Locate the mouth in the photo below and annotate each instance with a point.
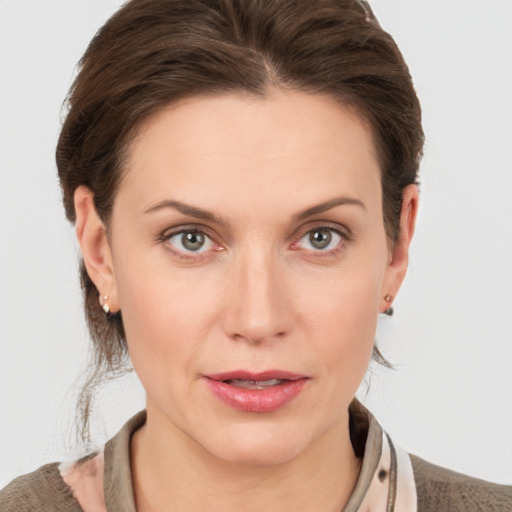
(256, 392)
(254, 384)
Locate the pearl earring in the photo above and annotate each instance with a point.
(388, 298)
(104, 304)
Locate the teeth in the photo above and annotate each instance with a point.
(254, 384)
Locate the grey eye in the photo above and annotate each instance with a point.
(190, 241)
(321, 239)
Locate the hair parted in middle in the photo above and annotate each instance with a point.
(153, 53)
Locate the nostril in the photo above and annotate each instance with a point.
(257, 339)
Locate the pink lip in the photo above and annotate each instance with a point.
(256, 400)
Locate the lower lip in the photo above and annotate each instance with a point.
(257, 400)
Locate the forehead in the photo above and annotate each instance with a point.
(285, 146)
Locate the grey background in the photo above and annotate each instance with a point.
(450, 397)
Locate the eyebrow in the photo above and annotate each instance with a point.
(187, 209)
(200, 213)
(328, 205)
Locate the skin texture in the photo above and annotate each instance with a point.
(258, 295)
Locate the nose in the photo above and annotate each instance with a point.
(258, 303)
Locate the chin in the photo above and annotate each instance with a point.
(257, 445)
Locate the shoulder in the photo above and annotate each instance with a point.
(42, 489)
(442, 489)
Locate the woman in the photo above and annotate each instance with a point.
(243, 181)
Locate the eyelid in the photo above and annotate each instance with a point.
(184, 228)
(342, 231)
(334, 226)
(189, 228)
(338, 228)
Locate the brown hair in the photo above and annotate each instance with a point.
(155, 52)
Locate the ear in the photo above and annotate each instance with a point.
(92, 237)
(399, 253)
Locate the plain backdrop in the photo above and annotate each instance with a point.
(449, 399)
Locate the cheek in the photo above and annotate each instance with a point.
(342, 319)
(344, 304)
(166, 316)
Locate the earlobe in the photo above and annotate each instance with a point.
(399, 257)
(92, 237)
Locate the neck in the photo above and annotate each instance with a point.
(171, 472)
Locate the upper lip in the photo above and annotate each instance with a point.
(256, 376)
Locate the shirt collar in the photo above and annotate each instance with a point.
(385, 482)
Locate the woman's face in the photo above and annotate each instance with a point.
(250, 262)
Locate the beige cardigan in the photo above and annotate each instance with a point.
(383, 484)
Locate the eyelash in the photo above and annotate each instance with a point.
(182, 255)
(345, 238)
(164, 238)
